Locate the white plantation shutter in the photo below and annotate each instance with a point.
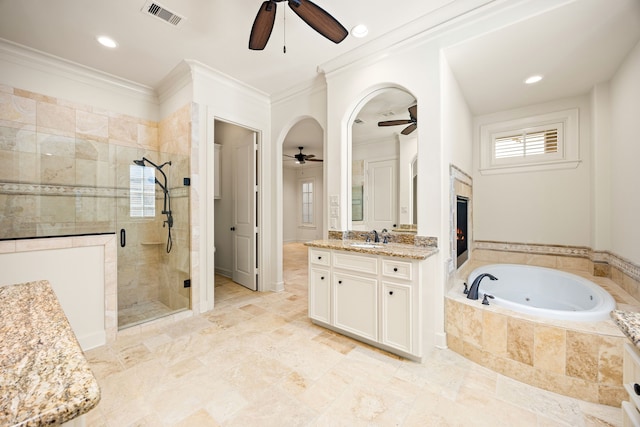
(526, 144)
(142, 191)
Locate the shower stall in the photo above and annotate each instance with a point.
(152, 224)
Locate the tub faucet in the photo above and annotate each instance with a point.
(473, 290)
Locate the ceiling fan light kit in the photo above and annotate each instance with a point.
(302, 158)
(316, 17)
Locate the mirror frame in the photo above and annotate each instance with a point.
(364, 99)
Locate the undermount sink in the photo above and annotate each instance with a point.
(365, 245)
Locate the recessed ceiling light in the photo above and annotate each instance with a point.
(107, 42)
(533, 79)
(359, 31)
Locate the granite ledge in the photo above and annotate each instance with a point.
(386, 249)
(44, 376)
(629, 324)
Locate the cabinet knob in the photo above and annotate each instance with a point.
(321, 277)
(390, 292)
(395, 269)
(339, 282)
(319, 257)
(636, 388)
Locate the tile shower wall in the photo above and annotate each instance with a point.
(64, 170)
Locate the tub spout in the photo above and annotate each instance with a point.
(473, 290)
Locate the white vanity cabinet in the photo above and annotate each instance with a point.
(631, 382)
(370, 297)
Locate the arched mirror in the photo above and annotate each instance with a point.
(384, 150)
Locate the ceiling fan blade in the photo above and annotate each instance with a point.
(314, 160)
(394, 122)
(319, 19)
(413, 112)
(409, 129)
(286, 155)
(309, 156)
(262, 26)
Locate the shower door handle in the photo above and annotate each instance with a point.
(123, 238)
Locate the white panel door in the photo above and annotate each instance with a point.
(244, 213)
(382, 193)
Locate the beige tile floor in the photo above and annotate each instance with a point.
(256, 360)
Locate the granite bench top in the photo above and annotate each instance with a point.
(629, 323)
(386, 249)
(44, 376)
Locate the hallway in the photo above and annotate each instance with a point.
(257, 360)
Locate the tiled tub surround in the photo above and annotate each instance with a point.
(64, 170)
(44, 376)
(577, 359)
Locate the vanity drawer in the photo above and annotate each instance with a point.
(397, 269)
(319, 257)
(359, 263)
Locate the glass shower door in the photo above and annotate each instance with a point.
(153, 228)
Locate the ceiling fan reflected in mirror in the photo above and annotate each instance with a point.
(412, 121)
(303, 158)
(316, 17)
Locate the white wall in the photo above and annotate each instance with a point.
(77, 276)
(625, 155)
(457, 122)
(291, 203)
(546, 207)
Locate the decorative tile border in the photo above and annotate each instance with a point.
(625, 266)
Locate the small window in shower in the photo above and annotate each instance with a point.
(142, 191)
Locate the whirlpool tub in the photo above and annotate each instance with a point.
(544, 292)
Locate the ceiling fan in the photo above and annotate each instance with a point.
(412, 121)
(316, 17)
(303, 158)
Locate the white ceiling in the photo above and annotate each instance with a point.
(574, 46)
(578, 44)
(215, 33)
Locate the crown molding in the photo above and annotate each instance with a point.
(37, 60)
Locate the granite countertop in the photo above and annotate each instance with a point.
(629, 323)
(387, 249)
(44, 376)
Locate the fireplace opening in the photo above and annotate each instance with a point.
(462, 228)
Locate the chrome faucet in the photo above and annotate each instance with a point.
(376, 238)
(473, 290)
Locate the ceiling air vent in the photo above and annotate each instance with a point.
(159, 11)
(359, 121)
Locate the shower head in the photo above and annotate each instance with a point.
(139, 162)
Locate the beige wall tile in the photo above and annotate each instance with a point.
(548, 261)
(610, 360)
(550, 349)
(53, 118)
(92, 126)
(453, 318)
(494, 333)
(123, 131)
(472, 325)
(582, 355)
(611, 395)
(574, 263)
(17, 109)
(520, 340)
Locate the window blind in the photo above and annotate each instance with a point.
(142, 191)
(526, 144)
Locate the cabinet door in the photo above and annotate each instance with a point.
(397, 312)
(319, 294)
(355, 306)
